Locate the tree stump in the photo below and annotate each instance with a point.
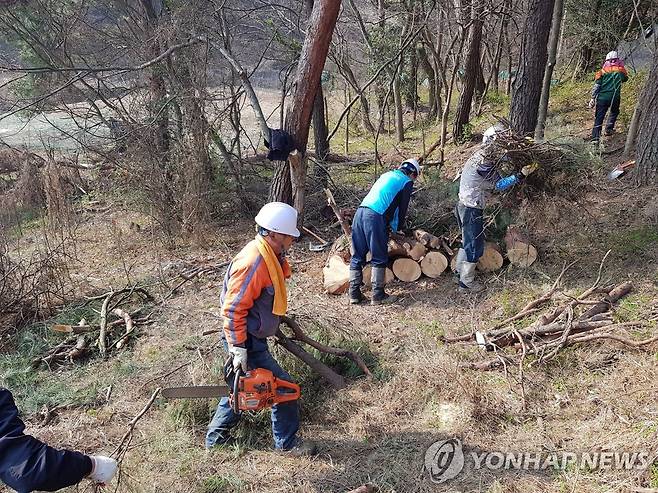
(336, 275)
(433, 264)
(520, 251)
(492, 259)
(406, 269)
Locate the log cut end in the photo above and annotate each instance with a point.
(367, 276)
(433, 264)
(492, 259)
(336, 275)
(406, 269)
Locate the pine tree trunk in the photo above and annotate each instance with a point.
(397, 101)
(298, 117)
(472, 69)
(532, 64)
(548, 73)
(320, 134)
(646, 172)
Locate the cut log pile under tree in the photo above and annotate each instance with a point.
(539, 332)
(421, 253)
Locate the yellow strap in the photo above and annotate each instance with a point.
(276, 275)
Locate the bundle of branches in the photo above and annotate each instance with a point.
(556, 162)
(579, 320)
(103, 335)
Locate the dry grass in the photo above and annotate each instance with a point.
(596, 397)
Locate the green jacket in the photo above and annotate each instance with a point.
(608, 80)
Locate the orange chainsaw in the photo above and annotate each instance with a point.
(257, 389)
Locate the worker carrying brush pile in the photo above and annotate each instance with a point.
(480, 176)
(383, 209)
(606, 94)
(28, 464)
(254, 297)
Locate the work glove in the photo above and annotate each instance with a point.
(239, 355)
(591, 103)
(103, 469)
(529, 169)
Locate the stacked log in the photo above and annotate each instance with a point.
(424, 254)
(520, 251)
(492, 258)
(336, 275)
(411, 257)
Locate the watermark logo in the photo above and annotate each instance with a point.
(444, 460)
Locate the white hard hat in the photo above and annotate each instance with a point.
(278, 217)
(613, 55)
(489, 134)
(412, 165)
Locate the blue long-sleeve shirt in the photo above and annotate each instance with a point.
(27, 464)
(390, 196)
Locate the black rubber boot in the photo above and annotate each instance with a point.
(379, 296)
(356, 281)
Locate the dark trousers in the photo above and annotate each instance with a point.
(602, 106)
(471, 222)
(285, 416)
(369, 235)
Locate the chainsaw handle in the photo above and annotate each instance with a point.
(235, 405)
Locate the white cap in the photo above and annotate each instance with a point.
(278, 217)
(613, 55)
(414, 164)
(489, 134)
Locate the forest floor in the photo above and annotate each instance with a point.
(595, 397)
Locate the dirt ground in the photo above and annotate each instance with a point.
(593, 398)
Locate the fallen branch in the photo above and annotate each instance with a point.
(129, 327)
(332, 203)
(124, 445)
(300, 336)
(333, 378)
(102, 346)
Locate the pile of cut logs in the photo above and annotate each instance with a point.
(424, 254)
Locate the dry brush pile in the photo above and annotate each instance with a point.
(562, 321)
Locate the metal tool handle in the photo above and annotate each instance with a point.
(236, 387)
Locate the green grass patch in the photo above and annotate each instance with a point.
(632, 307)
(221, 484)
(35, 386)
(633, 241)
(653, 475)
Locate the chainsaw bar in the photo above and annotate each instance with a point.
(196, 392)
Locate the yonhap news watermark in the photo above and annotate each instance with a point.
(445, 460)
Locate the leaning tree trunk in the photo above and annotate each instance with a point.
(298, 117)
(320, 134)
(548, 73)
(646, 172)
(532, 64)
(472, 70)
